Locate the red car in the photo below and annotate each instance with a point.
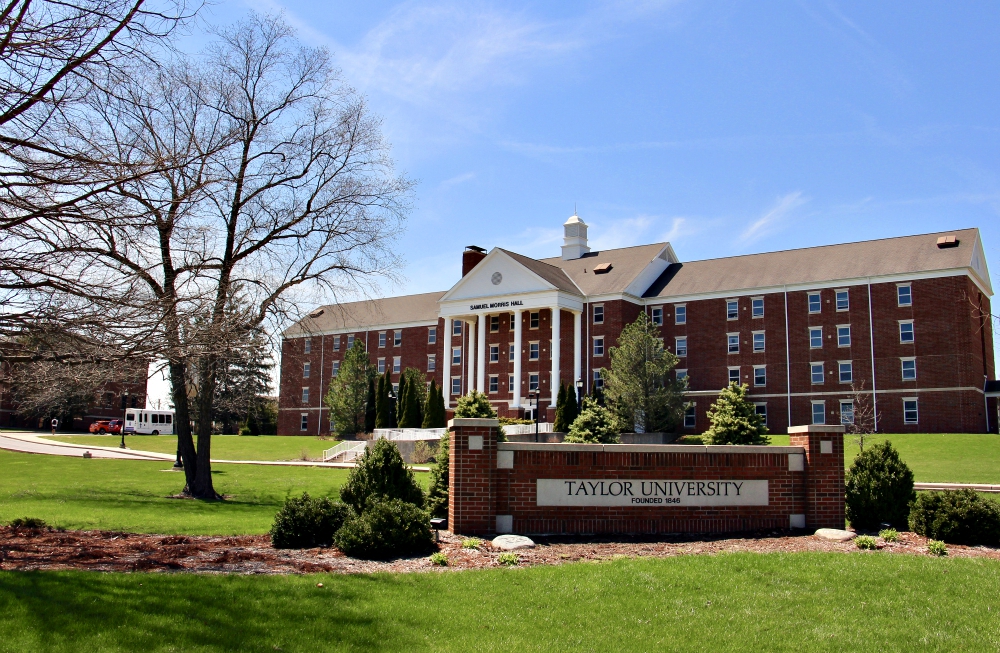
(106, 426)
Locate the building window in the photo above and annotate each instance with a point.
(598, 380)
(906, 331)
(494, 324)
(456, 385)
(758, 341)
(336, 368)
(381, 339)
(904, 295)
(681, 345)
(336, 343)
(307, 346)
(846, 412)
(431, 362)
(757, 307)
(815, 337)
(397, 337)
(909, 369)
(494, 384)
(395, 364)
(690, 416)
(510, 383)
(532, 383)
(350, 341)
(395, 390)
(680, 314)
(598, 314)
(304, 422)
(843, 335)
(432, 335)
(846, 371)
(734, 375)
(732, 309)
(305, 395)
(533, 351)
(910, 410)
(734, 342)
(759, 375)
(305, 370)
(761, 409)
(843, 301)
(456, 328)
(815, 303)
(510, 356)
(494, 353)
(816, 373)
(599, 346)
(681, 374)
(380, 366)
(658, 315)
(456, 355)
(533, 320)
(819, 412)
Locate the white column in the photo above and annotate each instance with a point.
(470, 327)
(554, 381)
(448, 340)
(577, 348)
(481, 354)
(517, 357)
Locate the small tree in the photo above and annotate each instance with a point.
(571, 409)
(638, 383)
(561, 425)
(370, 405)
(475, 405)
(595, 424)
(380, 474)
(413, 395)
(348, 392)
(879, 488)
(433, 408)
(734, 419)
(401, 399)
(865, 418)
(437, 494)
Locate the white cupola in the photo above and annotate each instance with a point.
(574, 238)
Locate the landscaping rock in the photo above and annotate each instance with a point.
(835, 534)
(513, 542)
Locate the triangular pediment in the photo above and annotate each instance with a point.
(497, 275)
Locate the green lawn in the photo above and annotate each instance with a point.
(735, 602)
(133, 496)
(224, 447)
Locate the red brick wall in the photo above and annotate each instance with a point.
(824, 490)
(471, 479)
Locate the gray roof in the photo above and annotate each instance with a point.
(626, 264)
(370, 313)
(870, 258)
(546, 271)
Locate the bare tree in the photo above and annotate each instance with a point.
(864, 420)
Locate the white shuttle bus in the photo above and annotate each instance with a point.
(149, 422)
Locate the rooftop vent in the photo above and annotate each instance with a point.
(602, 268)
(947, 241)
(316, 313)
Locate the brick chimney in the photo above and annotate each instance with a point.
(471, 258)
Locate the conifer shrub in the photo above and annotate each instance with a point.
(595, 424)
(437, 494)
(380, 474)
(734, 419)
(957, 517)
(304, 522)
(475, 405)
(879, 488)
(388, 528)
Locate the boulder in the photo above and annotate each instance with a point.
(835, 534)
(513, 542)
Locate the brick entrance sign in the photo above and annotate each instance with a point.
(504, 487)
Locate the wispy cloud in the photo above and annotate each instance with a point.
(772, 220)
(456, 180)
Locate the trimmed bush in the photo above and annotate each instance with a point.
(380, 474)
(879, 488)
(595, 424)
(387, 529)
(304, 522)
(475, 405)
(959, 517)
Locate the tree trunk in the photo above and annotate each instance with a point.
(182, 422)
(203, 487)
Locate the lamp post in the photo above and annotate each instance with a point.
(534, 395)
(124, 408)
(579, 395)
(178, 463)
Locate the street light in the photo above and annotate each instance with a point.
(579, 395)
(534, 395)
(124, 408)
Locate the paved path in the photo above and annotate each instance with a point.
(978, 487)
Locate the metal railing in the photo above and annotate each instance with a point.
(408, 434)
(527, 429)
(346, 451)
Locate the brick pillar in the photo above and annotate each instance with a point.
(472, 466)
(824, 469)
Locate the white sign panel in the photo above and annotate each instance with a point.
(626, 492)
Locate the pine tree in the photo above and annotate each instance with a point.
(417, 380)
(401, 400)
(349, 389)
(380, 419)
(571, 410)
(734, 419)
(430, 407)
(370, 406)
(560, 425)
(411, 408)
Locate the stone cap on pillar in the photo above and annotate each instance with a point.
(472, 422)
(816, 428)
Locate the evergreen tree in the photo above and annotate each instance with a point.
(349, 390)
(416, 380)
(381, 420)
(595, 424)
(561, 425)
(430, 407)
(370, 406)
(391, 400)
(572, 409)
(476, 405)
(437, 493)
(734, 419)
(411, 409)
(401, 399)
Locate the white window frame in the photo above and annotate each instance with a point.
(536, 317)
(380, 365)
(395, 390)
(909, 293)
(454, 351)
(456, 385)
(494, 384)
(913, 333)
(753, 307)
(598, 378)
(916, 411)
(762, 368)
(679, 349)
(537, 351)
(336, 368)
(729, 373)
(534, 382)
(680, 373)
(456, 328)
(902, 368)
(494, 353)
(432, 335)
(432, 362)
(818, 330)
(598, 308)
(841, 404)
(822, 373)
(397, 338)
(397, 364)
(844, 326)
(757, 405)
(680, 310)
(598, 346)
(382, 340)
(336, 343)
(305, 395)
(510, 353)
(763, 341)
(306, 370)
(350, 340)
(840, 371)
(819, 296)
(303, 421)
(729, 343)
(657, 321)
(495, 320)
(836, 299)
(732, 301)
(307, 346)
(812, 404)
(510, 383)
(691, 410)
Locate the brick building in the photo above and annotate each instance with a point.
(900, 322)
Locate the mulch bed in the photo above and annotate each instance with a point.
(30, 549)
